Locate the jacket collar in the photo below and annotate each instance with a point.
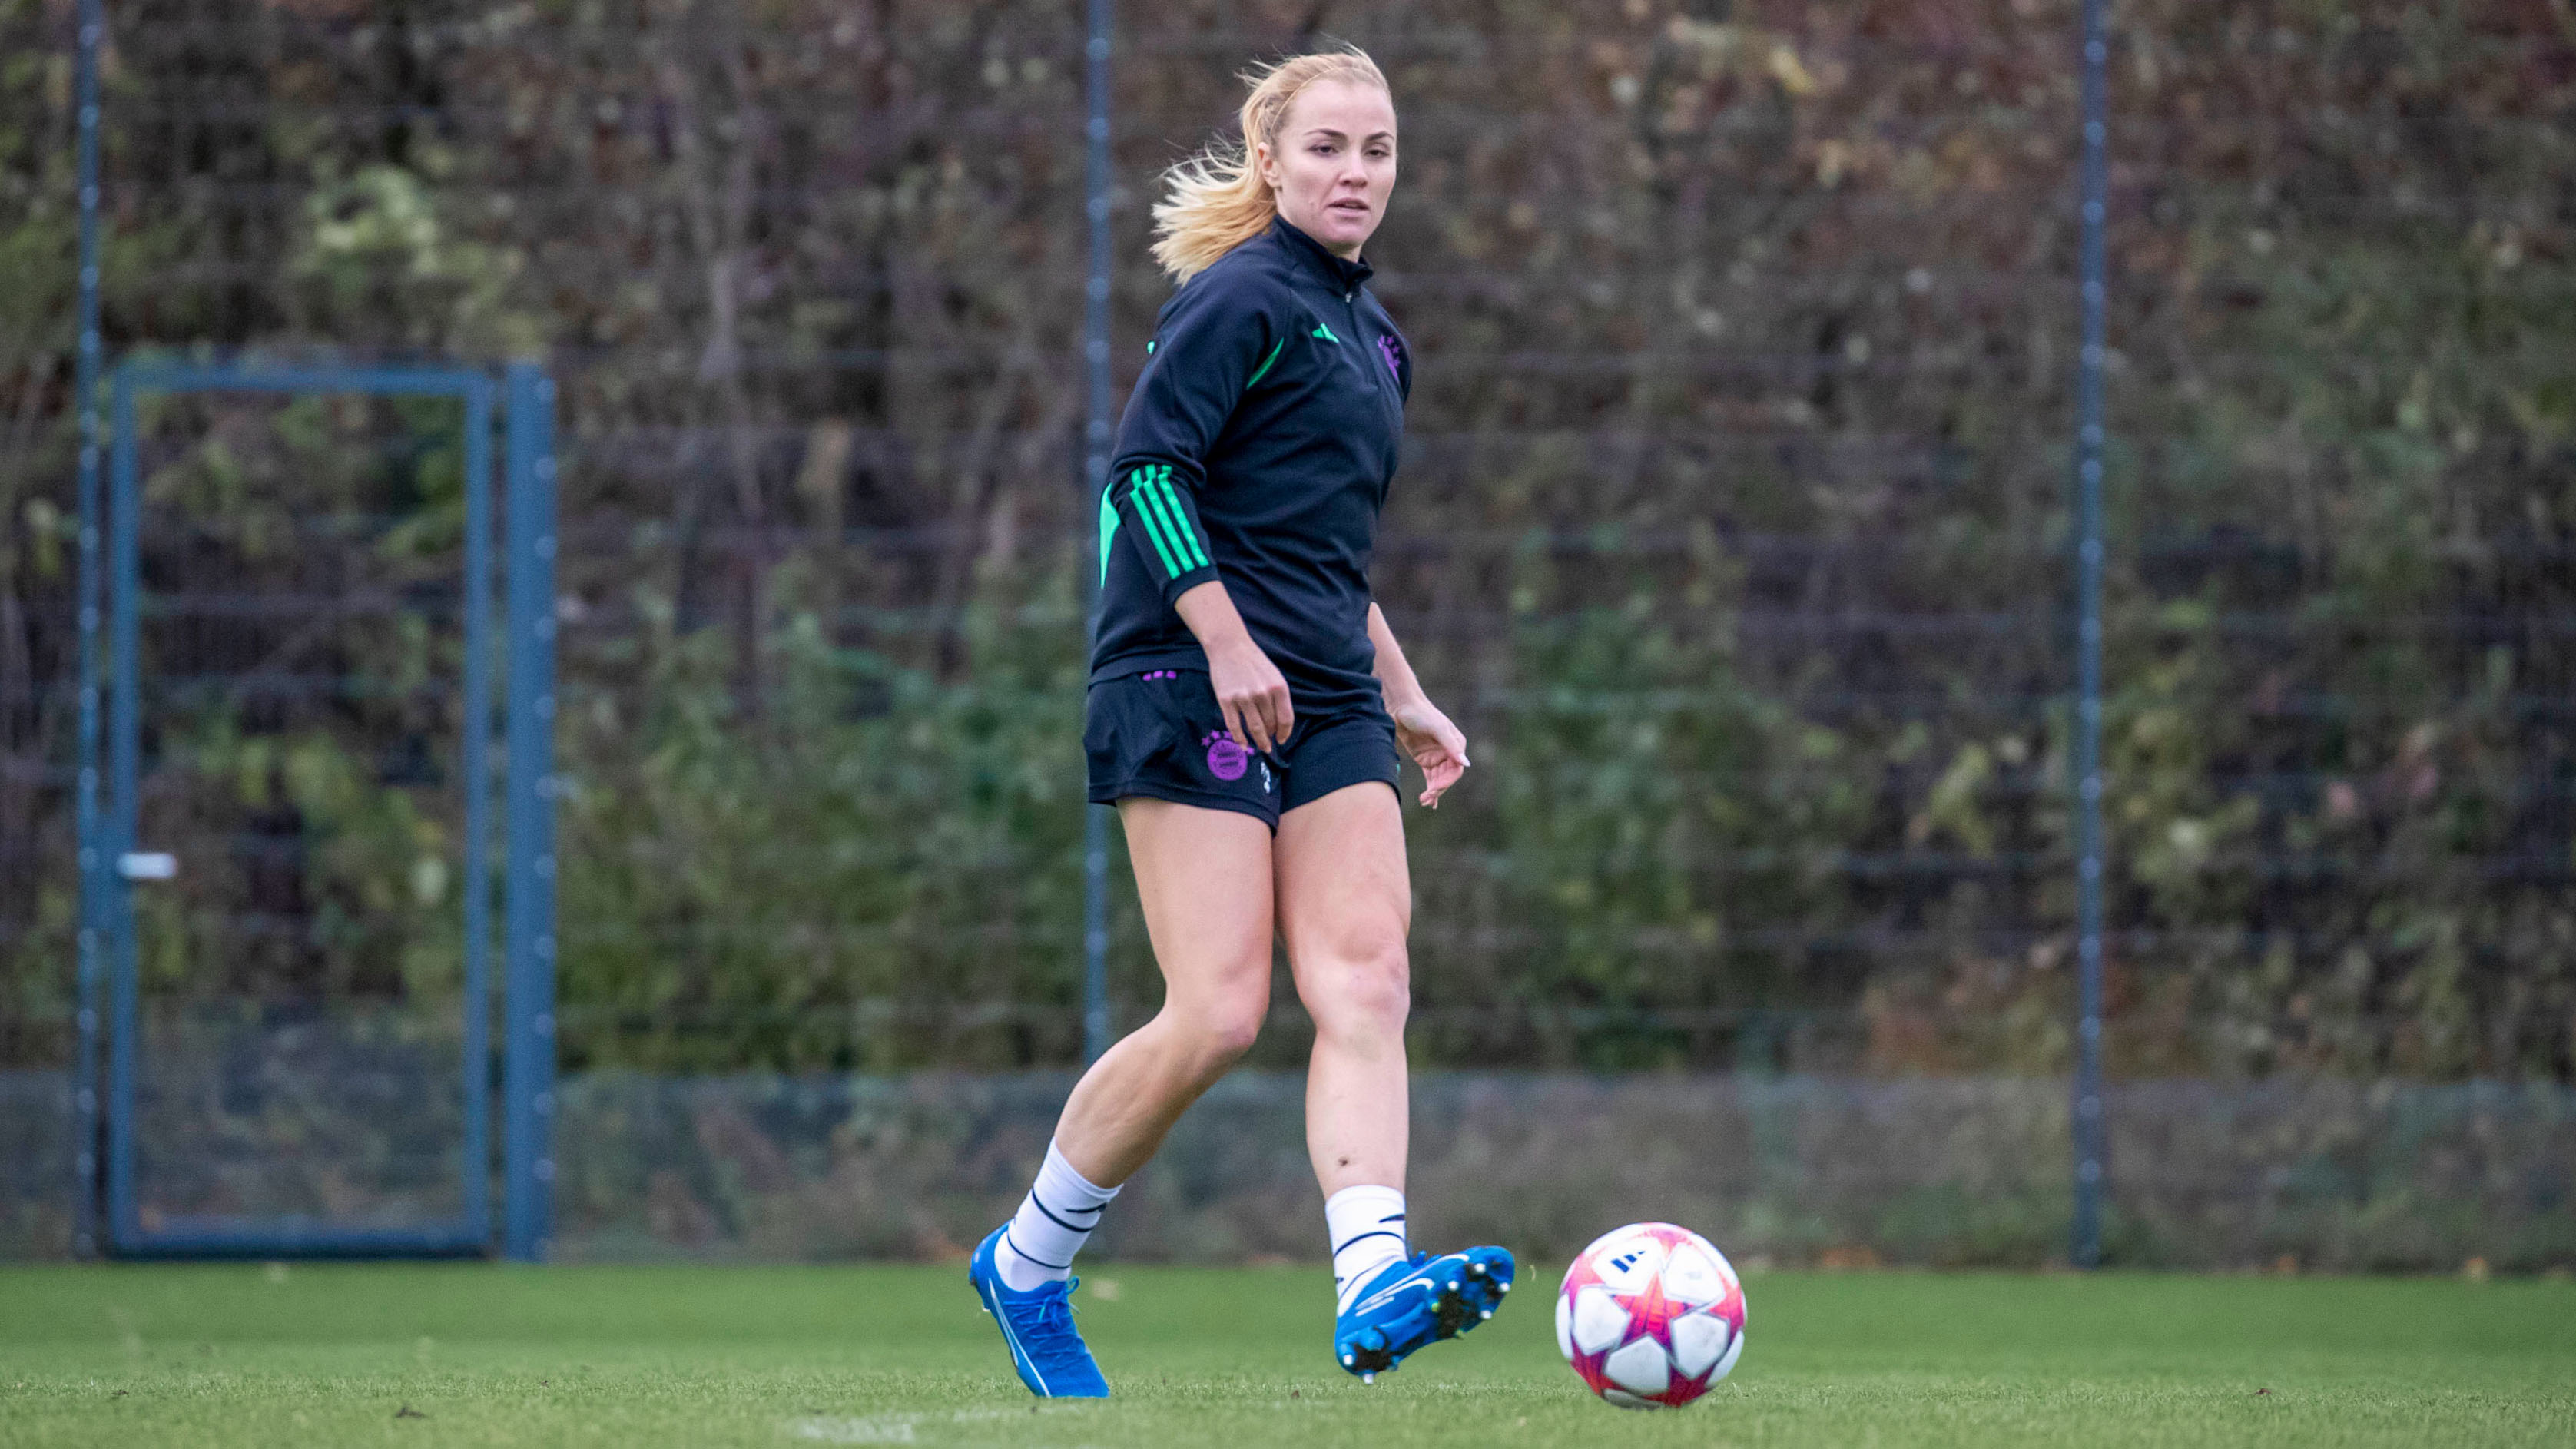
(1340, 275)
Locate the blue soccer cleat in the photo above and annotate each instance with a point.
(1418, 1301)
(1038, 1326)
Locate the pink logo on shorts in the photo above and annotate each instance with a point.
(1226, 759)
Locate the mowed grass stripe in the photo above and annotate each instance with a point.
(328, 1355)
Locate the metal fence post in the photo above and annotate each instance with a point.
(528, 912)
(476, 732)
(93, 851)
(1096, 1024)
(125, 505)
(2086, 1238)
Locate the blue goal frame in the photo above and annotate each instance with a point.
(111, 859)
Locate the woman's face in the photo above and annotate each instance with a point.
(1335, 162)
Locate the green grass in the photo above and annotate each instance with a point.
(781, 1357)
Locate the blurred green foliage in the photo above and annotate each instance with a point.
(1732, 526)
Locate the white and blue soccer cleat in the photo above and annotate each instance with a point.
(1038, 1327)
(1418, 1301)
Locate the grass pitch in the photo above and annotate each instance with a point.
(786, 1357)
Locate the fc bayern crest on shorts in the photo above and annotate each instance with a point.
(1225, 759)
(1229, 761)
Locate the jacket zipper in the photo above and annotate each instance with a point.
(1368, 369)
(1359, 334)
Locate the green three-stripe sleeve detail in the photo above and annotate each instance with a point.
(1172, 503)
(1137, 495)
(1175, 526)
(1149, 515)
(1168, 526)
(1258, 372)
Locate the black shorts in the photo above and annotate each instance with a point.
(1161, 735)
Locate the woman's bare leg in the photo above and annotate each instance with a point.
(1205, 879)
(1345, 904)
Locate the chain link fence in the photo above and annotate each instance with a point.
(1732, 526)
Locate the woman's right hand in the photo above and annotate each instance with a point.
(1253, 694)
(1249, 688)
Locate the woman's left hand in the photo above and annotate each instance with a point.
(1434, 743)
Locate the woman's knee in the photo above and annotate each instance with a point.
(1365, 989)
(1220, 1027)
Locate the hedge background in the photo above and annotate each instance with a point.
(1732, 523)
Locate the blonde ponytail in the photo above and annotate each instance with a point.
(1216, 200)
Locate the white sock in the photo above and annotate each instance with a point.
(1367, 1227)
(1054, 1221)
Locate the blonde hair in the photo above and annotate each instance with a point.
(1216, 200)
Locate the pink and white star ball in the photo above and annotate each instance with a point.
(1650, 1316)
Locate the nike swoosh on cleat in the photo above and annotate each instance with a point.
(993, 1305)
(1384, 1296)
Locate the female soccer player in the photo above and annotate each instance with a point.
(1248, 712)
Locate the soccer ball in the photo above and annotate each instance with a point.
(1650, 1316)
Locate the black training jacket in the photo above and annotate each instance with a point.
(1257, 449)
